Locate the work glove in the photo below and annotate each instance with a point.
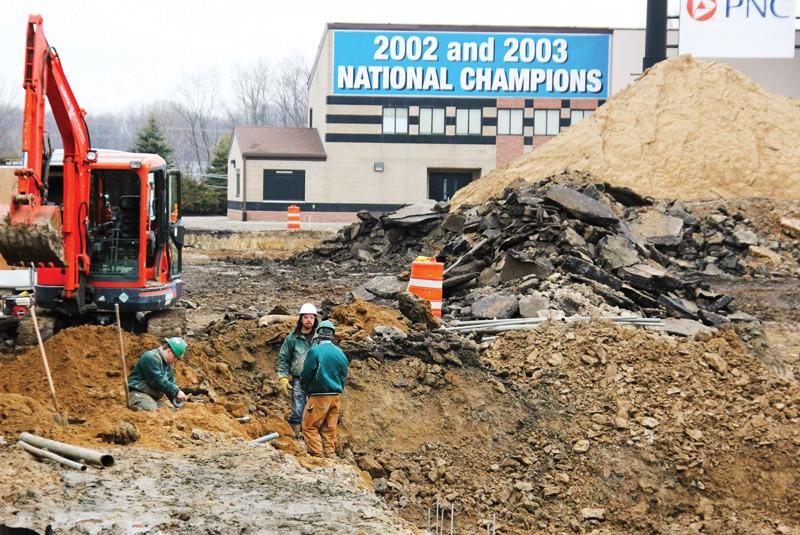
(283, 386)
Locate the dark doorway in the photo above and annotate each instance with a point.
(442, 185)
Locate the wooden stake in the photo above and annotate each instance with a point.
(44, 359)
(122, 356)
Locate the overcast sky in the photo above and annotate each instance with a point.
(119, 54)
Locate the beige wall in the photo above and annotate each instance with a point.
(255, 177)
(320, 85)
(627, 49)
(350, 177)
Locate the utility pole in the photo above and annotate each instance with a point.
(655, 36)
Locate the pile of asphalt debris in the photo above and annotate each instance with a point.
(561, 246)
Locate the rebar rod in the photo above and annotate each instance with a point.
(68, 450)
(37, 452)
(452, 522)
(436, 520)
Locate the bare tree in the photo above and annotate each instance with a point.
(252, 94)
(196, 108)
(291, 91)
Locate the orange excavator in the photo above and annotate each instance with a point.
(101, 227)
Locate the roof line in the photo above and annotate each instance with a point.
(460, 27)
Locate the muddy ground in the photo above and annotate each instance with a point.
(587, 429)
(214, 489)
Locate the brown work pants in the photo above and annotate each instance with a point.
(320, 419)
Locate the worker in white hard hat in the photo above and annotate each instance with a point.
(291, 360)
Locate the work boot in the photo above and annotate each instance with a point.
(298, 432)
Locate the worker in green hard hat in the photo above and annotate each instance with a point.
(324, 373)
(153, 376)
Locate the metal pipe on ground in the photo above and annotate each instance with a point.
(505, 328)
(491, 329)
(266, 438)
(531, 323)
(493, 324)
(68, 450)
(37, 452)
(539, 320)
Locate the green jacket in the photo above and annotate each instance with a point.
(325, 370)
(293, 354)
(153, 376)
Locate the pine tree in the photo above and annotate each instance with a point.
(150, 140)
(219, 162)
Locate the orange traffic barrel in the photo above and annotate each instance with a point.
(427, 276)
(293, 217)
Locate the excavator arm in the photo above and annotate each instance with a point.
(35, 232)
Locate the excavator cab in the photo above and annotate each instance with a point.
(133, 232)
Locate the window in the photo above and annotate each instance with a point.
(431, 120)
(284, 185)
(238, 183)
(576, 116)
(468, 122)
(395, 120)
(115, 224)
(509, 122)
(545, 122)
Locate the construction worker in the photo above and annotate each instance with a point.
(291, 359)
(323, 378)
(153, 377)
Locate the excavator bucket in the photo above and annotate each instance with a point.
(32, 236)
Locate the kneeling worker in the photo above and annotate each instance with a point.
(324, 374)
(153, 376)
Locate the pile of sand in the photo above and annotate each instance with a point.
(87, 375)
(687, 129)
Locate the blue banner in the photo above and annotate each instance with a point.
(541, 65)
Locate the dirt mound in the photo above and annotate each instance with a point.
(686, 129)
(230, 374)
(86, 372)
(661, 434)
(359, 319)
(85, 364)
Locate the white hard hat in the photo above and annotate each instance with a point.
(308, 308)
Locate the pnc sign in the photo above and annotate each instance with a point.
(737, 28)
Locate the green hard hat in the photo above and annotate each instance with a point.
(177, 345)
(326, 325)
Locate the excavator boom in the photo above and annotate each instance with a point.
(35, 232)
